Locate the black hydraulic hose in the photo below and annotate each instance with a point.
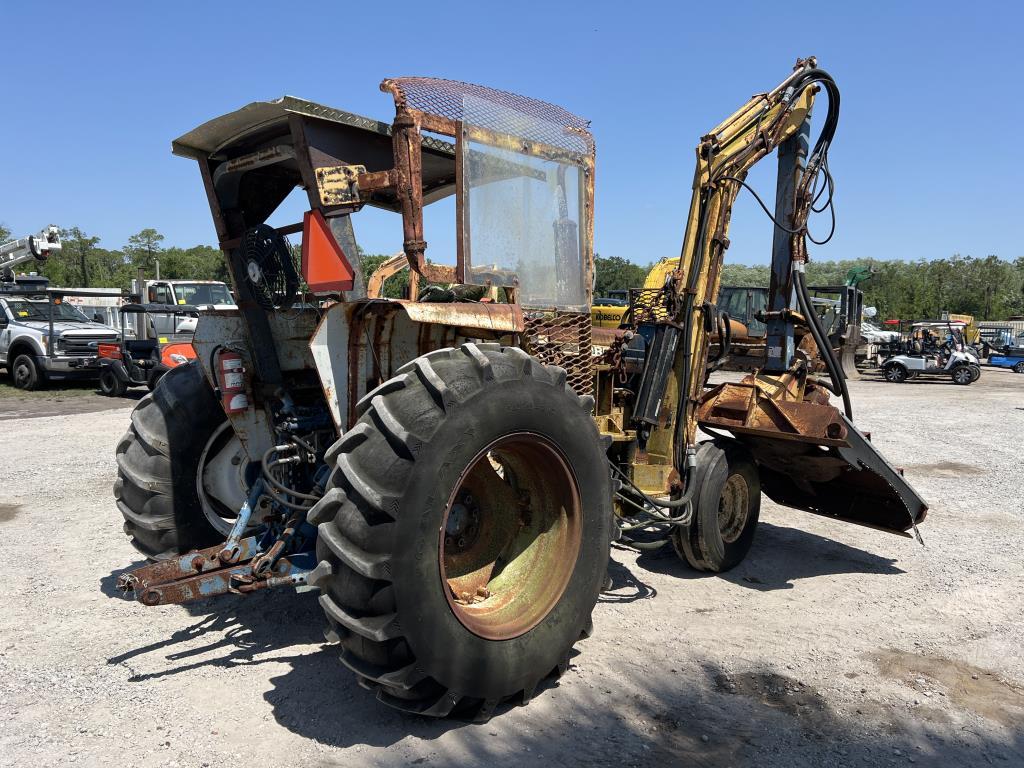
(682, 501)
(814, 323)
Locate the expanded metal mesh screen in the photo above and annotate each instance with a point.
(563, 339)
(648, 305)
(548, 123)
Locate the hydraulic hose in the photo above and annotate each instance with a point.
(814, 323)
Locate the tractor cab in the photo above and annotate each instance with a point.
(521, 172)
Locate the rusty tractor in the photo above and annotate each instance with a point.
(450, 473)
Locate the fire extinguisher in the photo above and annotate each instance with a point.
(230, 372)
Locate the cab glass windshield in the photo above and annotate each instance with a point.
(198, 294)
(38, 309)
(523, 215)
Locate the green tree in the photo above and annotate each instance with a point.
(5, 234)
(200, 262)
(616, 273)
(143, 249)
(78, 246)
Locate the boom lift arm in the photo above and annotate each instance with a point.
(809, 454)
(31, 248)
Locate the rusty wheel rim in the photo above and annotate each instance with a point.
(510, 536)
(732, 508)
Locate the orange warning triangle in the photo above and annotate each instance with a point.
(324, 265)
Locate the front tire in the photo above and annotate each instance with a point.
(895, 373)
(962, 375)
(25, 373)
(158, 462)
(110, 384)
(1018, 368)
(726, 511)
(465, 534)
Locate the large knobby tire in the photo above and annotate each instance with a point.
(158, 462)
(725, 511)
(25, 373)
(477, 452)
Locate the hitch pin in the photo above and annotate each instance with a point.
(232, 547)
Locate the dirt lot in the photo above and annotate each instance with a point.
(830, 645)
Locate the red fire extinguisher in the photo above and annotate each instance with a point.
(230, 371)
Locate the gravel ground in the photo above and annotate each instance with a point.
(830, 645)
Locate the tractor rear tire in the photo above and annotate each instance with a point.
(158, 462)
(726, 508)
(465, 533)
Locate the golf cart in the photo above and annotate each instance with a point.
(1012, 360)
(144, 359)
(927, 353)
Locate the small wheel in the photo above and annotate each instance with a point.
(1019, 368)
(975, 372)
(962, 375)
(110, 385)
(896, 373)
(726, 511)
(25, 373)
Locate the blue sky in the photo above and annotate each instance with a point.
(926, 157)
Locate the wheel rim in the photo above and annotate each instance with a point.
(1019, 368)
(510, 536)
(733, 507)
(22, 375)
(962, 375)
(221, 481)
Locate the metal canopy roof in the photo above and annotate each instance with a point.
(213, 135)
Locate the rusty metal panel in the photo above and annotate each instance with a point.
(502, 318)
(359, 345)
(748, 407)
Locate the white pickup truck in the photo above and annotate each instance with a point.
(197, 293)
(36, 346)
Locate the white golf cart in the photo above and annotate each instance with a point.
(934, 349)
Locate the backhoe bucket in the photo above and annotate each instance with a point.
(851, 482)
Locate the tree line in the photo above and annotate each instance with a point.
(989, 288)
(82, 263)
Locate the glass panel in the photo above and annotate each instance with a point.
(522, 213)
(758, 303)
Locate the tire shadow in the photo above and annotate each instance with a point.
(238, 631)
(779, 557)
